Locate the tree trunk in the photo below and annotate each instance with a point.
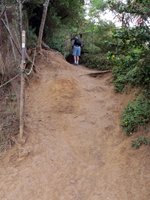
(20, 16)
(22, 85)
(45, 7)
(11, 42)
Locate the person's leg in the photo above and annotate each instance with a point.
(78, 54)
(75, 54)
(75, 59)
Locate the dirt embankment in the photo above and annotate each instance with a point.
(75, 148)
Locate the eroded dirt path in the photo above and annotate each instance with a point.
(75, 149)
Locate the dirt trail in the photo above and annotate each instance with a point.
(75, 149)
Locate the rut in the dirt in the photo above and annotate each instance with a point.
(75, 149)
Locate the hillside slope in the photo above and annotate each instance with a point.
(75, 148)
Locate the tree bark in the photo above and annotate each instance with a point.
(44, 15)
(20, 15)
(22, 86)
(8, 30)
(12, 45)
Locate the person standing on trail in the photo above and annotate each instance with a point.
(76, 44)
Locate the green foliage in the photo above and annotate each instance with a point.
(96, 61)
(96, 7)
(103, 36)
(68, 12)
(135, 7)
(98, 4)
(97, 43)
(63, 15)
(139, 141)
(131, 57)
(131, 62)
(120, 70)
(136, 114)
(31, 38)
(56, 42)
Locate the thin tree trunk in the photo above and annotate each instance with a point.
(8, 30)
(22, 90)
(3, 11)
(45, 7)
(22, 86)
(12, 45)
(14, 42)
(19, 15)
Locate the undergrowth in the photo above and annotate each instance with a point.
(97, 61)
(136, 114)
(139, 141)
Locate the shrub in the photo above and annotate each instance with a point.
(137, 113)
(98, 61)
(139, 141)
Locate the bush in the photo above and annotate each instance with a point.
(98, 61)
(60, 41)
(139, 141)
(126, 69)
(137, 113)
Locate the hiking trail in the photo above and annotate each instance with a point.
(75, 148)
